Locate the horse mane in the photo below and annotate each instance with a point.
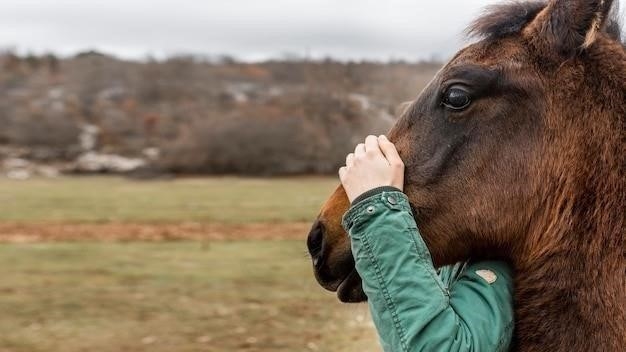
(502, 20)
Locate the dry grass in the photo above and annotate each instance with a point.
(176, 296)
(214, 293)
(231, 200)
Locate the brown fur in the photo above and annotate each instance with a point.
(532, 172)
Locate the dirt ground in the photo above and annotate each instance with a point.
(113, 232)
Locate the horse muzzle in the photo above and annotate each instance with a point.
(333, 264)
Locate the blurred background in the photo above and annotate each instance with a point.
(161, 163)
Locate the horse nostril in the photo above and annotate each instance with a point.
(315, 240)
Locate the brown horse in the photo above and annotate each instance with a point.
(515, 151)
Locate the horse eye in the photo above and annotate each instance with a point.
(456, 98)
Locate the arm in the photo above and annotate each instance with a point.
(412, 308)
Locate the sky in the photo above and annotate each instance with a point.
(245, 29)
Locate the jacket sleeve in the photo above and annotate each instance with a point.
(412, 308)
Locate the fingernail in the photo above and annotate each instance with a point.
(382, 136)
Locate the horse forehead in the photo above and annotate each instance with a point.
(502, 53)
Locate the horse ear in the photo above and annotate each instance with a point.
(567, 26)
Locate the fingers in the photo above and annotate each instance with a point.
(369, 148)
(342, 172)
(359, 151)
(371, 145)
(349, 159)
(390, 151)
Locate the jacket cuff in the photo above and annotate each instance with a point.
(374, 191)
(371, 206)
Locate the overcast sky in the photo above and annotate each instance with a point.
(246, 29)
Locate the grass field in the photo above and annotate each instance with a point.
(235, 295)
(220, 199)
(227, 296)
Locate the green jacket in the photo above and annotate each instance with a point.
(464, 307)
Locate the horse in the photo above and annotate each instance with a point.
(515, 151)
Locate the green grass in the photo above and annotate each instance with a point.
(218, 199)
(181, 296)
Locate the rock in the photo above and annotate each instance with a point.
(19, 174)
(22, 169)
(96, 162)
(151, 153)
(89, 136)
(47, 171)
(17, 168)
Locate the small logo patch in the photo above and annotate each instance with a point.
(487, 275)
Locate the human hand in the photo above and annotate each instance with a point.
(374, 163)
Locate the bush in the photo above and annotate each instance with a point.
(44, 128)
(312, 134)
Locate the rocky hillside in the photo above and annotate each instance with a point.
(95, 113)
